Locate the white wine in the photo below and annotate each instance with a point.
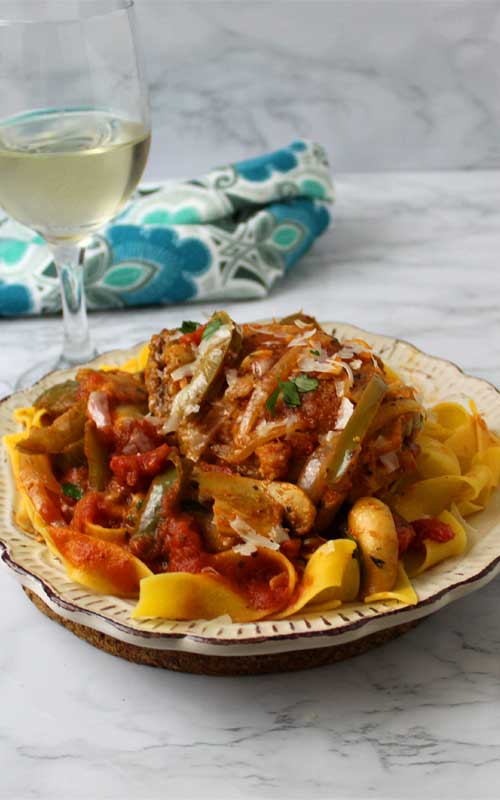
(67, 172)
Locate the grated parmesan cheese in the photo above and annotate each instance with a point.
(331, 366)
(302, 339)
(252, 540)
(390, 461)
(345, 413)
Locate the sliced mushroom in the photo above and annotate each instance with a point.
(371, 524)
(257, 497)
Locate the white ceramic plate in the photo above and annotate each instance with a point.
(39, 571)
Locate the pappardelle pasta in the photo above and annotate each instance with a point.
(256, 471)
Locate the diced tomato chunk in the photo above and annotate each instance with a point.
(130, 470)
(183, 544)
(291, 548)
(431, 528)
(405, 531)
(194, 337)
(135, 435)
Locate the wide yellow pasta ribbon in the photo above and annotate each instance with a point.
(402, 591)
(184, 595)
(93, 559)
(136, 363)
(459, 463)
(433, 552)
(330, 578)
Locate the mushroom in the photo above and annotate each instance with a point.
(371, 524)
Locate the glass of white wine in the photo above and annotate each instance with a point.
(74, 135)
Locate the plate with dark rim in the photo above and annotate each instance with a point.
(92, 615)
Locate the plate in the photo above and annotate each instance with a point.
(109, 617)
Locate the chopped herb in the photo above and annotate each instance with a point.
(378, 562)
(188, 326)
(211, 328)
(315, 352)
(72, 490)
(271, 402)
(305, 384)
(290, 393)
(139, 504)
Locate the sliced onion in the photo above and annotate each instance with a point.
(312, 479)
(184, 371)
(98, 409)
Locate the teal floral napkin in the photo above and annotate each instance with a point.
(227, 236)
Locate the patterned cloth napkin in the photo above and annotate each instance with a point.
(229, 235)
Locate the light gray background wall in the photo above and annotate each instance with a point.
(384, 84)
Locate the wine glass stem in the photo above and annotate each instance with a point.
(77, 345)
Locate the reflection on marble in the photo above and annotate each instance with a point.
(383, 85)
(412, 255)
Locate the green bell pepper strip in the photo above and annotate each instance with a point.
(66, 429)
(167, 481)
(97, 457)
(57, 399)
(330, 462)
(351, 439)
(72, 456)
(209, 363)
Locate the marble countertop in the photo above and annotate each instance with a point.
(410, 255)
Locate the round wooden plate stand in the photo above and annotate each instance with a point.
(201, 664)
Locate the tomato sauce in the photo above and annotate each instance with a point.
(193, 338)
(131, 470)
(431, 528)
(183, 544)
(96, 507)
(135, 434)
(405, 532)
(103, 559)
(255, 577)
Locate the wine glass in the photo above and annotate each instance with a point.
(74, 135)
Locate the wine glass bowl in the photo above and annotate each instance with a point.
(65, 173)
(74, 133)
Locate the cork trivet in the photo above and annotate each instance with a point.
(223, 665)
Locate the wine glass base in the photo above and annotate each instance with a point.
(43, 368)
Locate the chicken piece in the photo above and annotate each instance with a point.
(165, 355)
(273, 460)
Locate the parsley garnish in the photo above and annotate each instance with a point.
(271, 401)
(72, 490)
(378, 562)
(290, 393)
(305, 384)
(188, 326)
(211, 328)
(315, 352)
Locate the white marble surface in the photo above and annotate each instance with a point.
(383, 84)
(412, 255)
